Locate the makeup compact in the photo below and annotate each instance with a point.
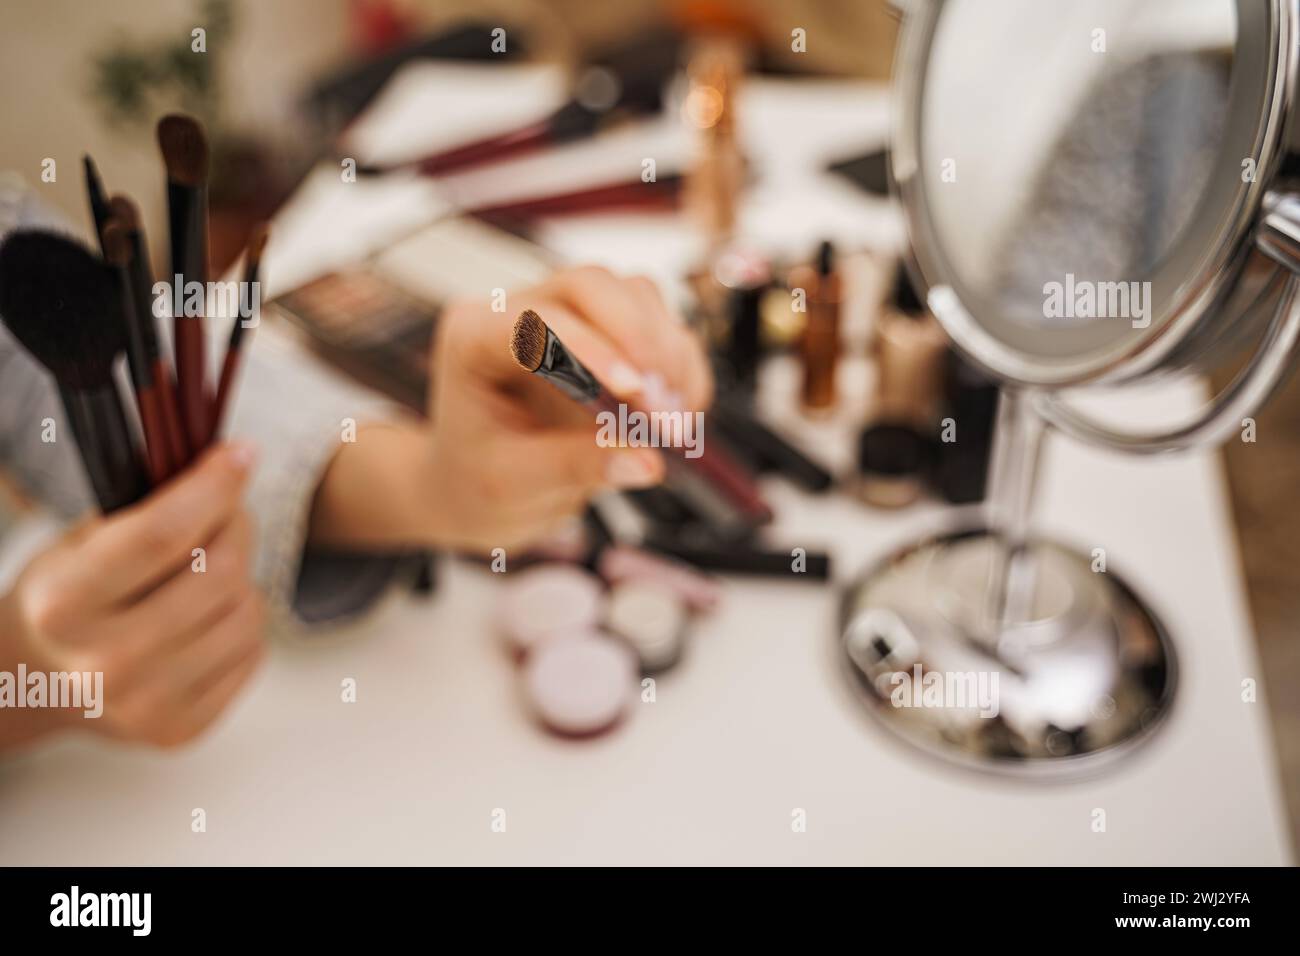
(580, 684)
(583, 642)
(651, 617)
(549, 601)
(1108, 227)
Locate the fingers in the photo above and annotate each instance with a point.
(621, 329)
(568, 463)
(215, 647)
(613, 308)
(189, 598)
(213, 699)
(188, 684)
(139, 547)
(688, 370)
(633, 316)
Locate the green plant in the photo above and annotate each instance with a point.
(135, 81)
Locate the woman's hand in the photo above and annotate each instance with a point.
(175, 634)
(511, 455)
(506, 456)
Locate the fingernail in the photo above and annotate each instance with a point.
(631, 469)
(624, 379)
(656, 396)
(243, 454)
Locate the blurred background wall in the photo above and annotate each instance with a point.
(65, 63)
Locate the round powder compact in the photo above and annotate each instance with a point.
(549, 601)
(581, 684)
(651, 618)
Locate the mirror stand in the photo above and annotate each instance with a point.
(993, 648)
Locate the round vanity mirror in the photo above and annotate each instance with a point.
(1094, 192)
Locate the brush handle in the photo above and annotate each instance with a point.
(104, 439)
(714, 465)
(157, 459)
(187, 214)
(741, 559)
(178, 449)
(229, 368)
(195, 413)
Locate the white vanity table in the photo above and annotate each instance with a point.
(757, 723)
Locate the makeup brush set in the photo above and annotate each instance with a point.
(77, 313)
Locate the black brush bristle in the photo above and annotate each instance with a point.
(61, 303)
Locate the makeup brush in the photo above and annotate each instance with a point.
(95, 192)
(185, 153)
(252, 267)
(118, 255)
(539, 350)
(58, 300)
(124, 210)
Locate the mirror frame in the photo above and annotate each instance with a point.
(1274, 28)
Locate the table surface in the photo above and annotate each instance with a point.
(757, 723)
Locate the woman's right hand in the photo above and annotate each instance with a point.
(175, 631)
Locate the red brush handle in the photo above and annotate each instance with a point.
(720, 469)
(157, 458)
(731, 478)
(228, 369)
(492, 149)
(195, 414)
(664, 193)
(178, 450)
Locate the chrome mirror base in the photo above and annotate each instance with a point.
(1083, 676)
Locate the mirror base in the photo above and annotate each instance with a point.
(1085, 675)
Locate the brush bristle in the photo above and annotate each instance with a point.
(124, 211)
(528, 340)
(117, 247)
(59, 301)
(184, 148)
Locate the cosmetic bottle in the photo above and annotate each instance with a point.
(909, 351)
(964, 432)
(895, 451)
(820, 346)
(743, 278)
(714, 71)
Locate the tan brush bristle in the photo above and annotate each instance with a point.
(528, 340)
(123, 210)
(184, 149)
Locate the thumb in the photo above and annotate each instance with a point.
(571, 459)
